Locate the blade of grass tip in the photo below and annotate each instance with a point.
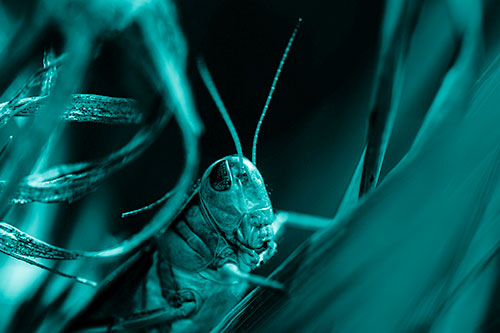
(21, 48)
(48, 78)
(26, 248)
(16, 103)
(351, 195)
(6, 145)
(78, 279)
(399, 22)
(16, 242)
(36, 79)
(51, 74)
(26, 150)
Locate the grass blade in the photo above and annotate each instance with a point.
(82, 108)
(399, 22)
(69, 182)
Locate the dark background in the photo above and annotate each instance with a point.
(314, 131)
(315, 128)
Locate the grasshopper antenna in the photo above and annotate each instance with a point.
(165, 197)
(271, 91)
(209, 83)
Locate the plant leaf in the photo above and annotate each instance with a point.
(14, 241)
(69, 182)
(82, 108)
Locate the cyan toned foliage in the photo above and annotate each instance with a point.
(381, 155)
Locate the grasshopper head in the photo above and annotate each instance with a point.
(235, 197)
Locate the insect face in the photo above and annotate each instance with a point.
(235, 198)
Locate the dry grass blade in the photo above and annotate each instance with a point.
(50, 75)
(70, 182)
(24, 247)
(39, 78)
(83, 108)
(27, 151)
(14, 241)
(32, 143)
(166, 44)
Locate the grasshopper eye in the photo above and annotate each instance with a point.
(220, 176)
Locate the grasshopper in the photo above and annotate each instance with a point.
(200, 267)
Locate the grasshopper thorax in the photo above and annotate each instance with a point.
(234, 196)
